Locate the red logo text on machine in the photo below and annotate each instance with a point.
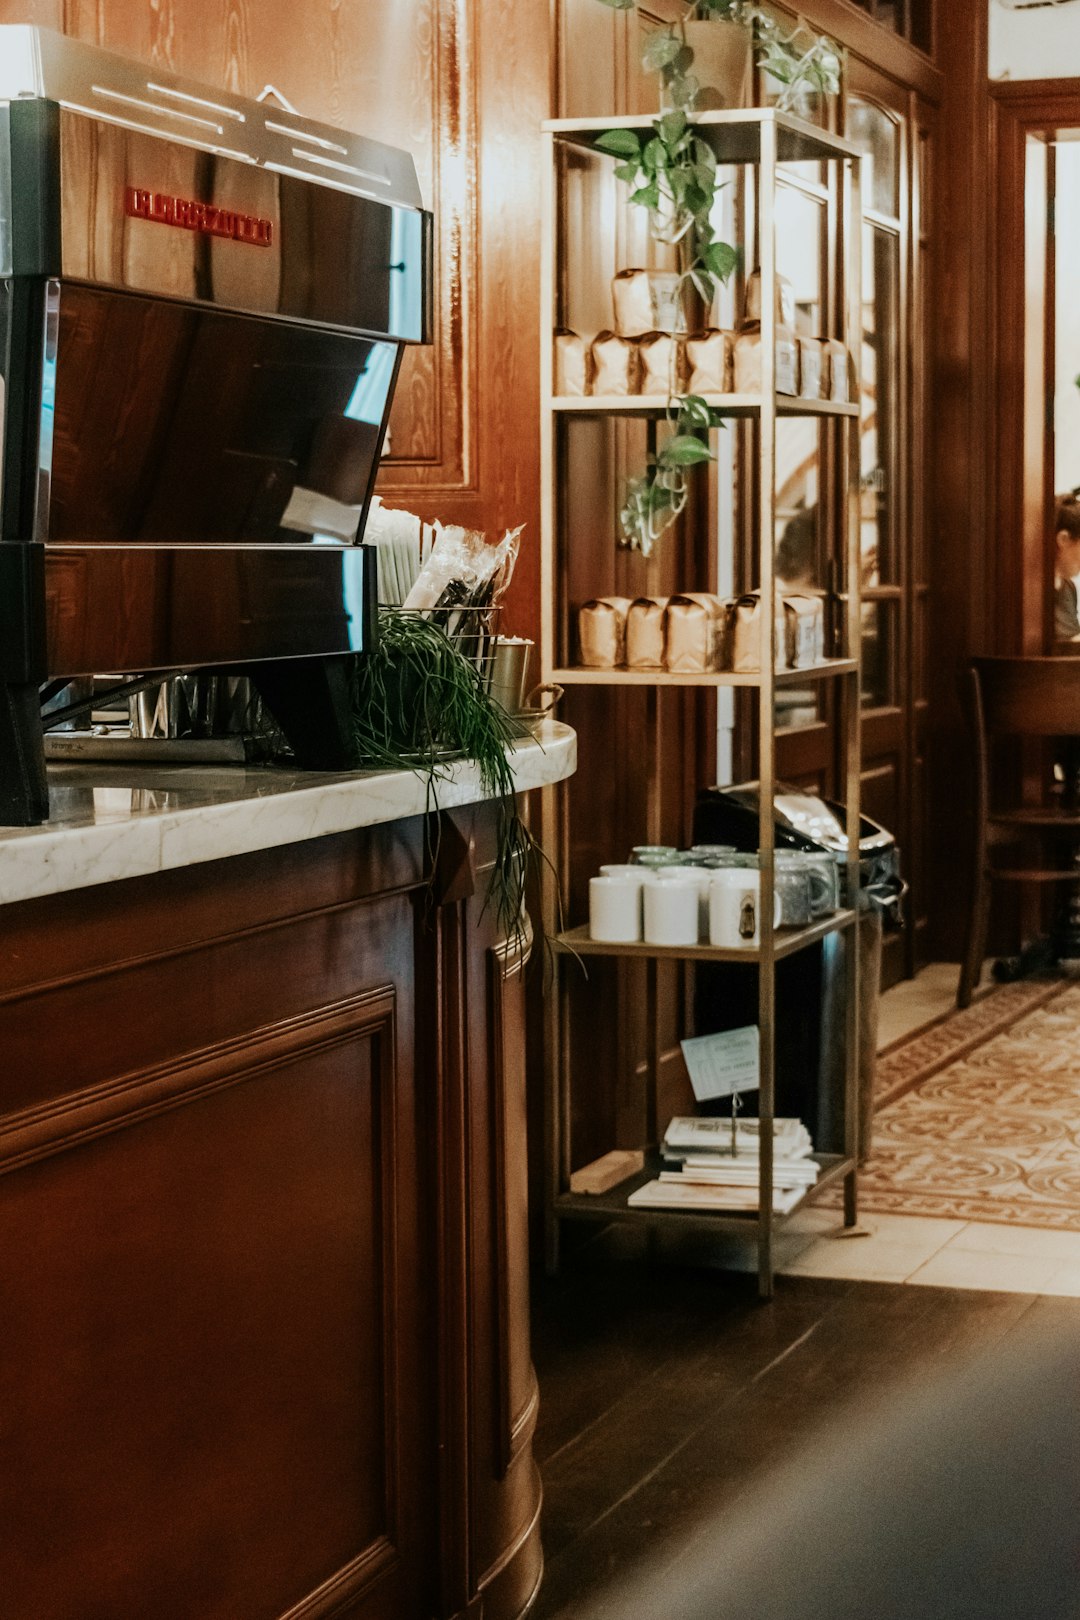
(196, 216)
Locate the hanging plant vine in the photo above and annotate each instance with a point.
(672, 175)
(799, 60)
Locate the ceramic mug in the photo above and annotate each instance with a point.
(672, 910)
(615, 910)
(735, 907)
(702, 877)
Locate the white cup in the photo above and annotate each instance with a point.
(637, 873)
(615, 910)
(672, 910)
(735, 908)
(702, 876)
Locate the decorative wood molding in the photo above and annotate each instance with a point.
(450, 946)
(347, 1586)
(434, 423)
(1022, 462)
(435, 407)
(72, 1119)
(506, 964)
(875, 44)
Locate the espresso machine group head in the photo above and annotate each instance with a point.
(203, 306)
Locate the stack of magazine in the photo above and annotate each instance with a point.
(709, 1164)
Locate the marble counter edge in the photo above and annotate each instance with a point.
(35, 862)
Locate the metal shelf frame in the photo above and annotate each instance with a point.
(765, 139)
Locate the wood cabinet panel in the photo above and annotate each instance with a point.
(266, 1339)
(202, 1322)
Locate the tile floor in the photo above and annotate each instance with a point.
(915, 1002)
(914, 1249)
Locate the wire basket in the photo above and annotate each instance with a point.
(472, 631)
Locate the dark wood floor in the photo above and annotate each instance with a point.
(666, 1389)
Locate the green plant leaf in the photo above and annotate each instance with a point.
(720, 259)
(661, 48)
(619, 5)
(693, 412)
(628, 172)
(703, 284)
(684, 450)
(647, 197)
(654, 157)
(622, 143)
(686, 91)
(672, 126)
(704, 154)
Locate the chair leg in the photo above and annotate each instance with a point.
(975, 949)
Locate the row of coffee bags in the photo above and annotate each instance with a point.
(646, 354)
(711, 362)
(698, 633)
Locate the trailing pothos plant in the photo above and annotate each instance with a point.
(800, 61)
(672, 175)
(654, 500)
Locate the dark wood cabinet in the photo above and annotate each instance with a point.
(263, 1243)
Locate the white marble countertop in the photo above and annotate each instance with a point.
(113, 821)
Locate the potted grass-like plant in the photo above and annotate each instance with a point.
(421, 703)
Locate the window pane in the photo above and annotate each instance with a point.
(880, 375)
(799, 246)
(797, 708)
(879, 622)
(801, 565)
(879, 138)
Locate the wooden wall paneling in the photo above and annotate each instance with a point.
(963, 554)
(923, 121)
(463, 86)
(41, 13)
(1039, 382)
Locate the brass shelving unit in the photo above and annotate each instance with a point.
(763, 139)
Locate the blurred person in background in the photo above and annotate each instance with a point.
(1066, 567)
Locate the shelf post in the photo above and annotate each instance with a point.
(767, 697)
(852, 685)
(553, 799)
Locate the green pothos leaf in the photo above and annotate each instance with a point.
(623, 143)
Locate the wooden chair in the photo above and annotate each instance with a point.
(1019, 697)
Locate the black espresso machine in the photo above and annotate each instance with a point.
(204, 305)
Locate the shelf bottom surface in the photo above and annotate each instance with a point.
(613, 1206)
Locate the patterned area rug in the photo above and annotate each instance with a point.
(979, 1114)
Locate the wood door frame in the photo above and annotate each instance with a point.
(1023, 302)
